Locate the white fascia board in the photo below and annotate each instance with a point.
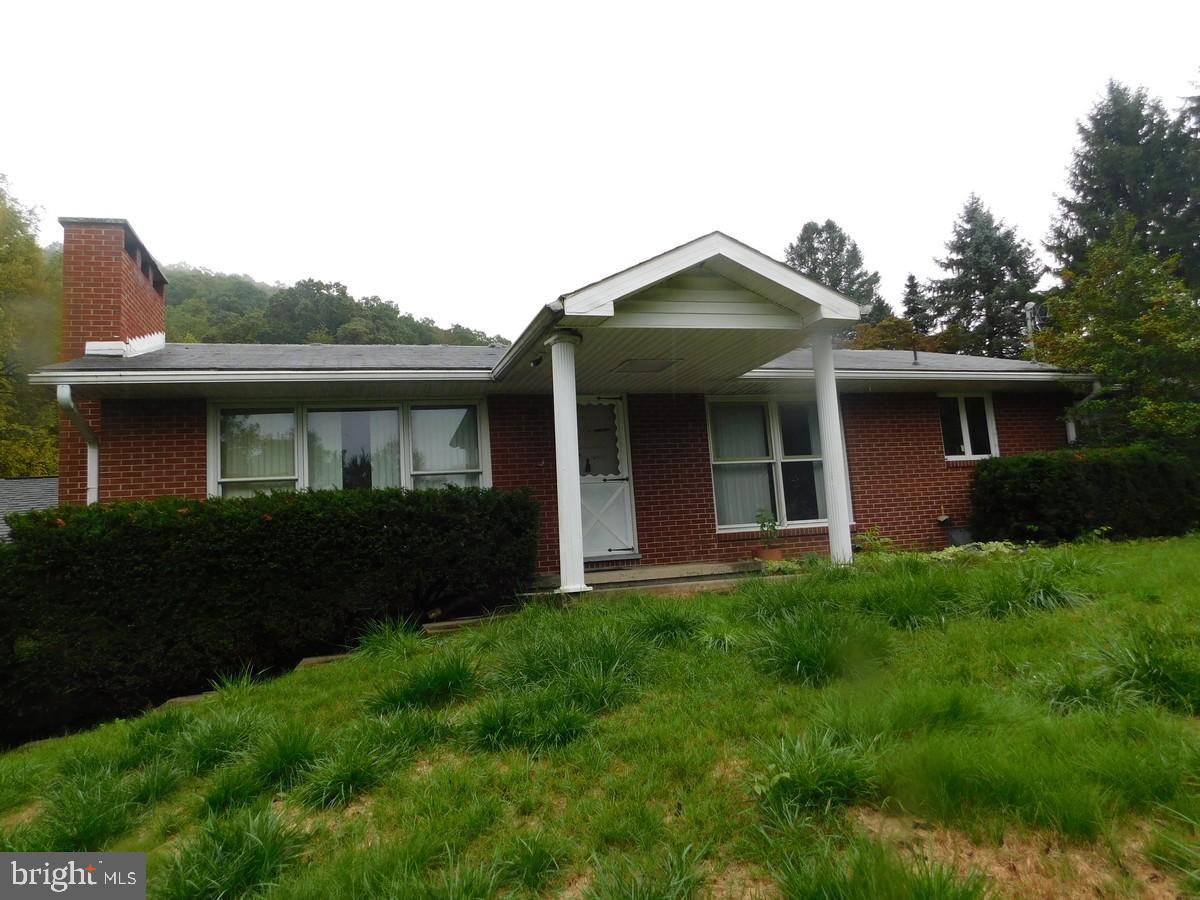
(265, 376)
(917, 374)
(597, 299)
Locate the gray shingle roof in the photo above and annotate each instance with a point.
(887, 360)
(318, 357)
(292, 357)
(24, 494)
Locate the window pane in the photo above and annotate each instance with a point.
(739, 431)
(977, 426)
(250, 488)
(462, 479)
(803, 491)
(798, 422)
(598, 451)
(257, 443)
(742, 491)
(952, 436)
(353, 448)
(444, 439)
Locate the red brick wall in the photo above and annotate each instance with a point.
(106, 295)
(148, 448)
(899, 476)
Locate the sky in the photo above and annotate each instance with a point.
(471, 162)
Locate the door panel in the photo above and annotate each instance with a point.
(604, 479)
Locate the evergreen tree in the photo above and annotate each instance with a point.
(825, 253)
(917, 308)
(991, 275)
(1133, 160)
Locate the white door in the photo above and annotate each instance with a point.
(604, 475)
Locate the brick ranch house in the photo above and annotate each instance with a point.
(653, 413)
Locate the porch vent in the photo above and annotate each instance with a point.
(641, 366)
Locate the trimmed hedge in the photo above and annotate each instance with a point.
(1065, 494)
(107, 609)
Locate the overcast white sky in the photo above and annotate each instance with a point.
(473, 161)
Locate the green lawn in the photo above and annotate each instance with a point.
(1018, 724)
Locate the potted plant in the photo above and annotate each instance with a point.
(768, 526)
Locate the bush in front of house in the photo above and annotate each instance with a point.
(107, 609)
(1122, 492)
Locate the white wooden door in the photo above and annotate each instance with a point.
(606, 488)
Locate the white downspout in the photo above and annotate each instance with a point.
(1072, 436)
(67, 404)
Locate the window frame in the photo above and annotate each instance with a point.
(775, 458)
(993, 434)
(300, 410)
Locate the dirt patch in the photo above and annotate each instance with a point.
(1033, 865)
(577, 886)
(741, 881)
(22, 816)
(730, 769)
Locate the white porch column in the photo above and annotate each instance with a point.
(566, 455)
(833, 456)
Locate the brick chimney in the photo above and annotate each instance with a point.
(113, 301)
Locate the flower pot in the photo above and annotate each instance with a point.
(768, 554)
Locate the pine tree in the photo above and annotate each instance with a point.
(1133, 160)
(825, 253)
(917, 308)
(991, 275)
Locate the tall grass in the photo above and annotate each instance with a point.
(674, 876)
(868, 871)
(434, 682)
(816, 645)
(230, 856)
(815, 773)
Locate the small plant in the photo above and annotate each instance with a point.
(234, 687)
(665, 622)
(394, 640)
(768, 527)
(210, 740)
(437, 681)
(85, 812)
(279, 757)
(230, 857)
(536, 721)
(336, 779)
(154, 781)
(869, 871)
(677, 877)
(816, 773)
(528, 860)
(873, 540)
(815, 645)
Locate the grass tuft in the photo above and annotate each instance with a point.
(529, 860)
(231, 856)
(434, 682)
(1028, 586)
(666, 623)
(817, 645)
(335, 780)
(677, 877)
(391, 640)
(536, 721)
(868, 871)
(816, 773)
(212, 739)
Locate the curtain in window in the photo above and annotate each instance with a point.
(444, 440)
(739, 431)
(257, 444)
(324, 450)
(742, 492)
(385, 448)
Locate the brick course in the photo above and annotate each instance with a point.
(148, 448)
(900, 480)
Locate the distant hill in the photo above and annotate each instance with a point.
(216, 307)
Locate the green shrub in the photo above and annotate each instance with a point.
(108, 609)
(1067, 494)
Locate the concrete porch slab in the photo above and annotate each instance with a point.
(694, 576)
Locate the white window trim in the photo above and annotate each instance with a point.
(775, 459)
(300, 408)
(993, 435)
